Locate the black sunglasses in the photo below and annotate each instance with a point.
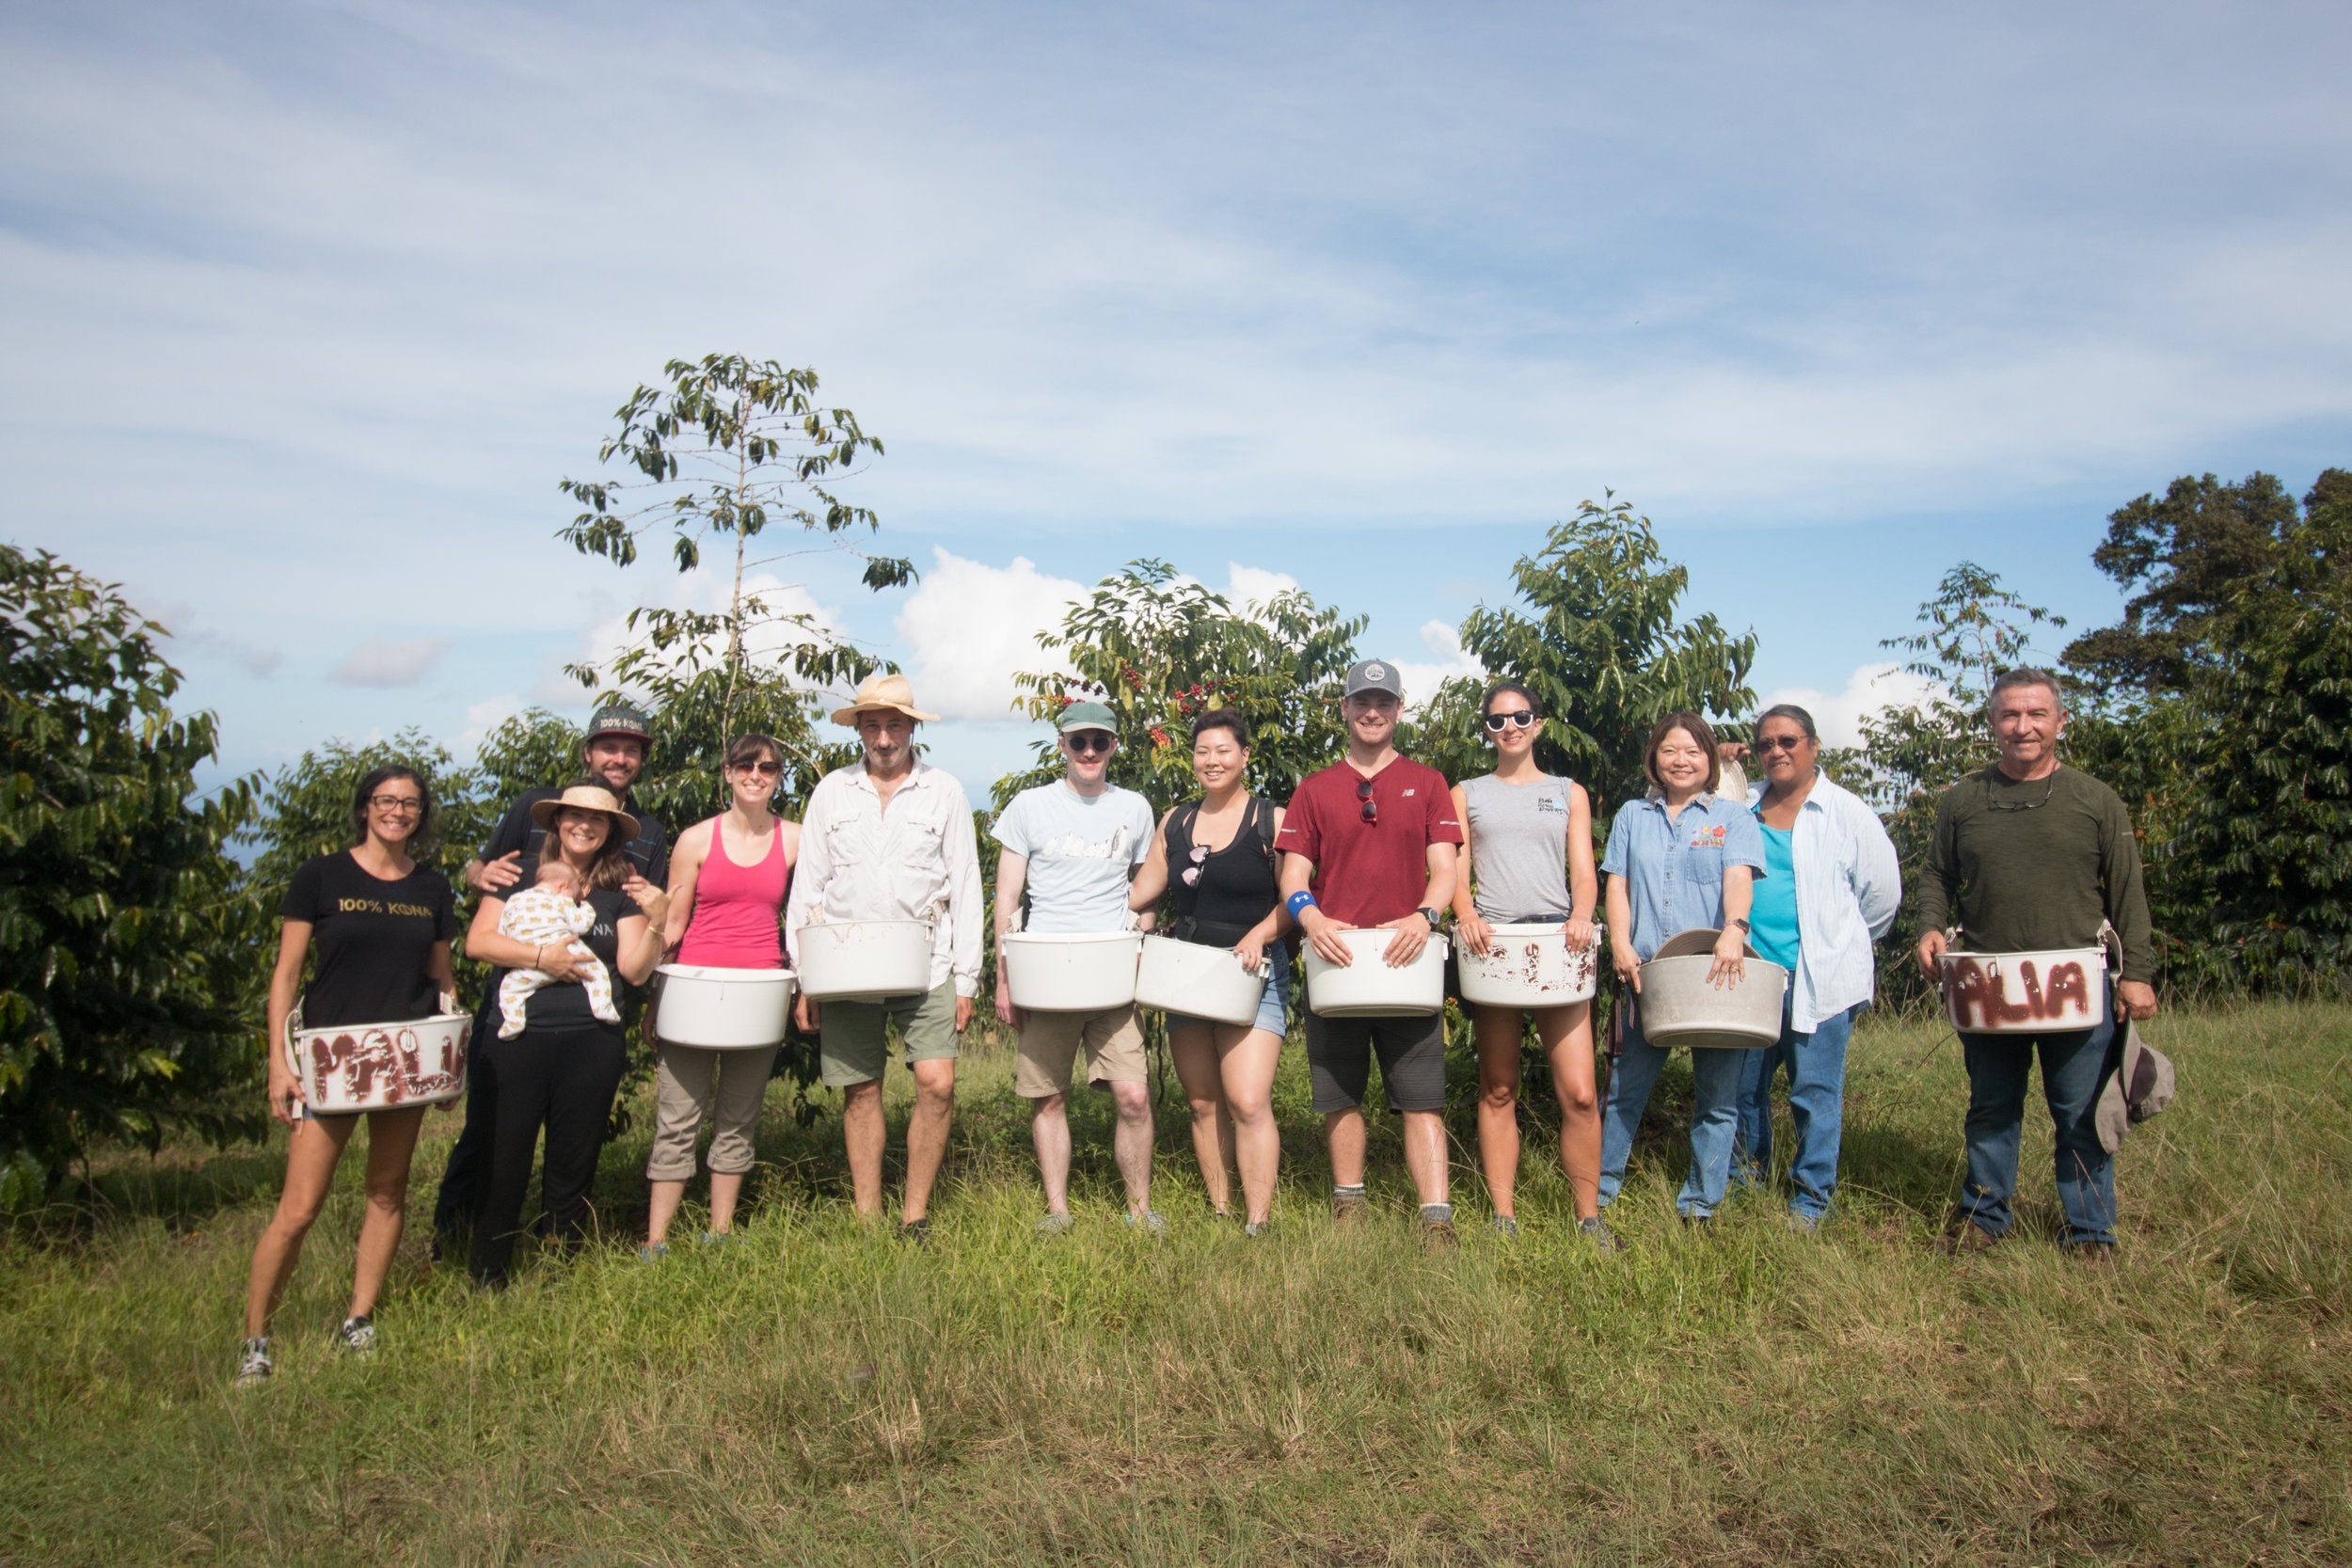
(1766, 745)
(1372, 807)
(1087, 742)
(1518, 719)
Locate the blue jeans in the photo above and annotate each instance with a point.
(1714, 1118)
(2073, 1065)
(1817, 1104)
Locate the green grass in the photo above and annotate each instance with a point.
(820, 1393)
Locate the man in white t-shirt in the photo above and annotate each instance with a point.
(1074, 845)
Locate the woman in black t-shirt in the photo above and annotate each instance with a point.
(382, 925)
(561, 1072)
(1214, 857)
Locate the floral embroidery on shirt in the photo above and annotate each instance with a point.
(1708, 838)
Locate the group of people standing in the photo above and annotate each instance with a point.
(1795, 871)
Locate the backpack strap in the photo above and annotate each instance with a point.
(1261, 815)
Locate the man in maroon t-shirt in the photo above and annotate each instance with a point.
(1371, 842)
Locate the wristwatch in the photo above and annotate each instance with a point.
(1743, 926)
(1430, 916)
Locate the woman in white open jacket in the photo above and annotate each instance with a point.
(1830, 889)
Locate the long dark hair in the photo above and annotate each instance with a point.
(377, 778)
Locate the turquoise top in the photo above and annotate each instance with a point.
(1773, 916)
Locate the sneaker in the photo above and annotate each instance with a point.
(1966, 1239)
(2092, 1255)
(653, 1252)
(357, 1335)
(715, 1238)
(1597, 1230)
(1504, 1226)
(1437, 1236)
(917, 1233)
(1700, 1223)
(1803, 1222)
(1257, 1230)
(1151, 1220)
(256, 1367)
(1056, 1225)
(1349, 1209)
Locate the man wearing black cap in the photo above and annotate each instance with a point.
(613, 755)
(1371, 842)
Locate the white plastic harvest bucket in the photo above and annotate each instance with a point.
(1530, 966)
(1201, 981)
(1071, 971)
(1679, 1007)
(376, 1066)
(722, 1009)
(1369, 987)
(2025, 994)
(862, 960)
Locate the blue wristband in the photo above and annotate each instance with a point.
(1302, 899)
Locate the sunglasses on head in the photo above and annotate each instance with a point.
(1372, 807)
(1766, 745)
(1518, 719)
(1088, 742)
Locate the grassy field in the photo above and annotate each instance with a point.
(820, 1392)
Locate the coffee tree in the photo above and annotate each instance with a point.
(129, 988)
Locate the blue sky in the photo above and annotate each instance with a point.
(308, 308)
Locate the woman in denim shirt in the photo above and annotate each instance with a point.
(1682, 859)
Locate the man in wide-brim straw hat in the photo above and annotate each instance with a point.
(613, 752)
(890, 837)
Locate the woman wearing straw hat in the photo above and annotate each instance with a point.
(561, 1072)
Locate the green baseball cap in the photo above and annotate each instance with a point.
(621, 719)
(1088, 716)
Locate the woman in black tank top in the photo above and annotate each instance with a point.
(1213, 860)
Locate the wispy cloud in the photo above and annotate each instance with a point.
(387, 662)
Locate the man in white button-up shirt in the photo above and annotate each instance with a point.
(890, 837)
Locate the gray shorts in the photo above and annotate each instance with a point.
(855, 1036)
(1412, 1061)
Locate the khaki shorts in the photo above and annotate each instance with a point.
(1050, 1043)
(854, 1041)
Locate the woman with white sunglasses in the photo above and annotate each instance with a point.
(1529, 861)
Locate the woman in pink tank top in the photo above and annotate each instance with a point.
(728, 877)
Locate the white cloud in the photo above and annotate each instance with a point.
(1249, 585)
(968, 626)
(390, 661)
(769, 642)
(180, 619)
(483, 717)
(1870, 689)
(1449, 659)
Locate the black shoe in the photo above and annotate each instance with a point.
(919, 1233)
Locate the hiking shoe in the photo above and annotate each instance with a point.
(357, 1335)
(653, 1252)
(1151, 1220)
(1504, 1226)
(1056, 1225)
(1702, 1224)
(916, 1232)
(2092, 1255)
(1803, 1223)
(1349, 1209)
(1437, 1236)
(256, 1367)
(1966, 1239)
(1597, 1230)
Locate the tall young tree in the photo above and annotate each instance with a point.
(733, 459)
(130, 958)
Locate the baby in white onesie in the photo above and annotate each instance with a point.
(549, 912)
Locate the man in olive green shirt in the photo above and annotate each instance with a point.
(2033, 856)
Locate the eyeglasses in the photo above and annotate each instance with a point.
(1518, 719)
(1990, 804)
(1767, 745)
(765, 769)
(1087, 742)
(1372, 807)
(408, 806)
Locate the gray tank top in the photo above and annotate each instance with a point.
(1518, 842)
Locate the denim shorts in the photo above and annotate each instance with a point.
(1273, 1006)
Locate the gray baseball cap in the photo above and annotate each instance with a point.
(1373, 675)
